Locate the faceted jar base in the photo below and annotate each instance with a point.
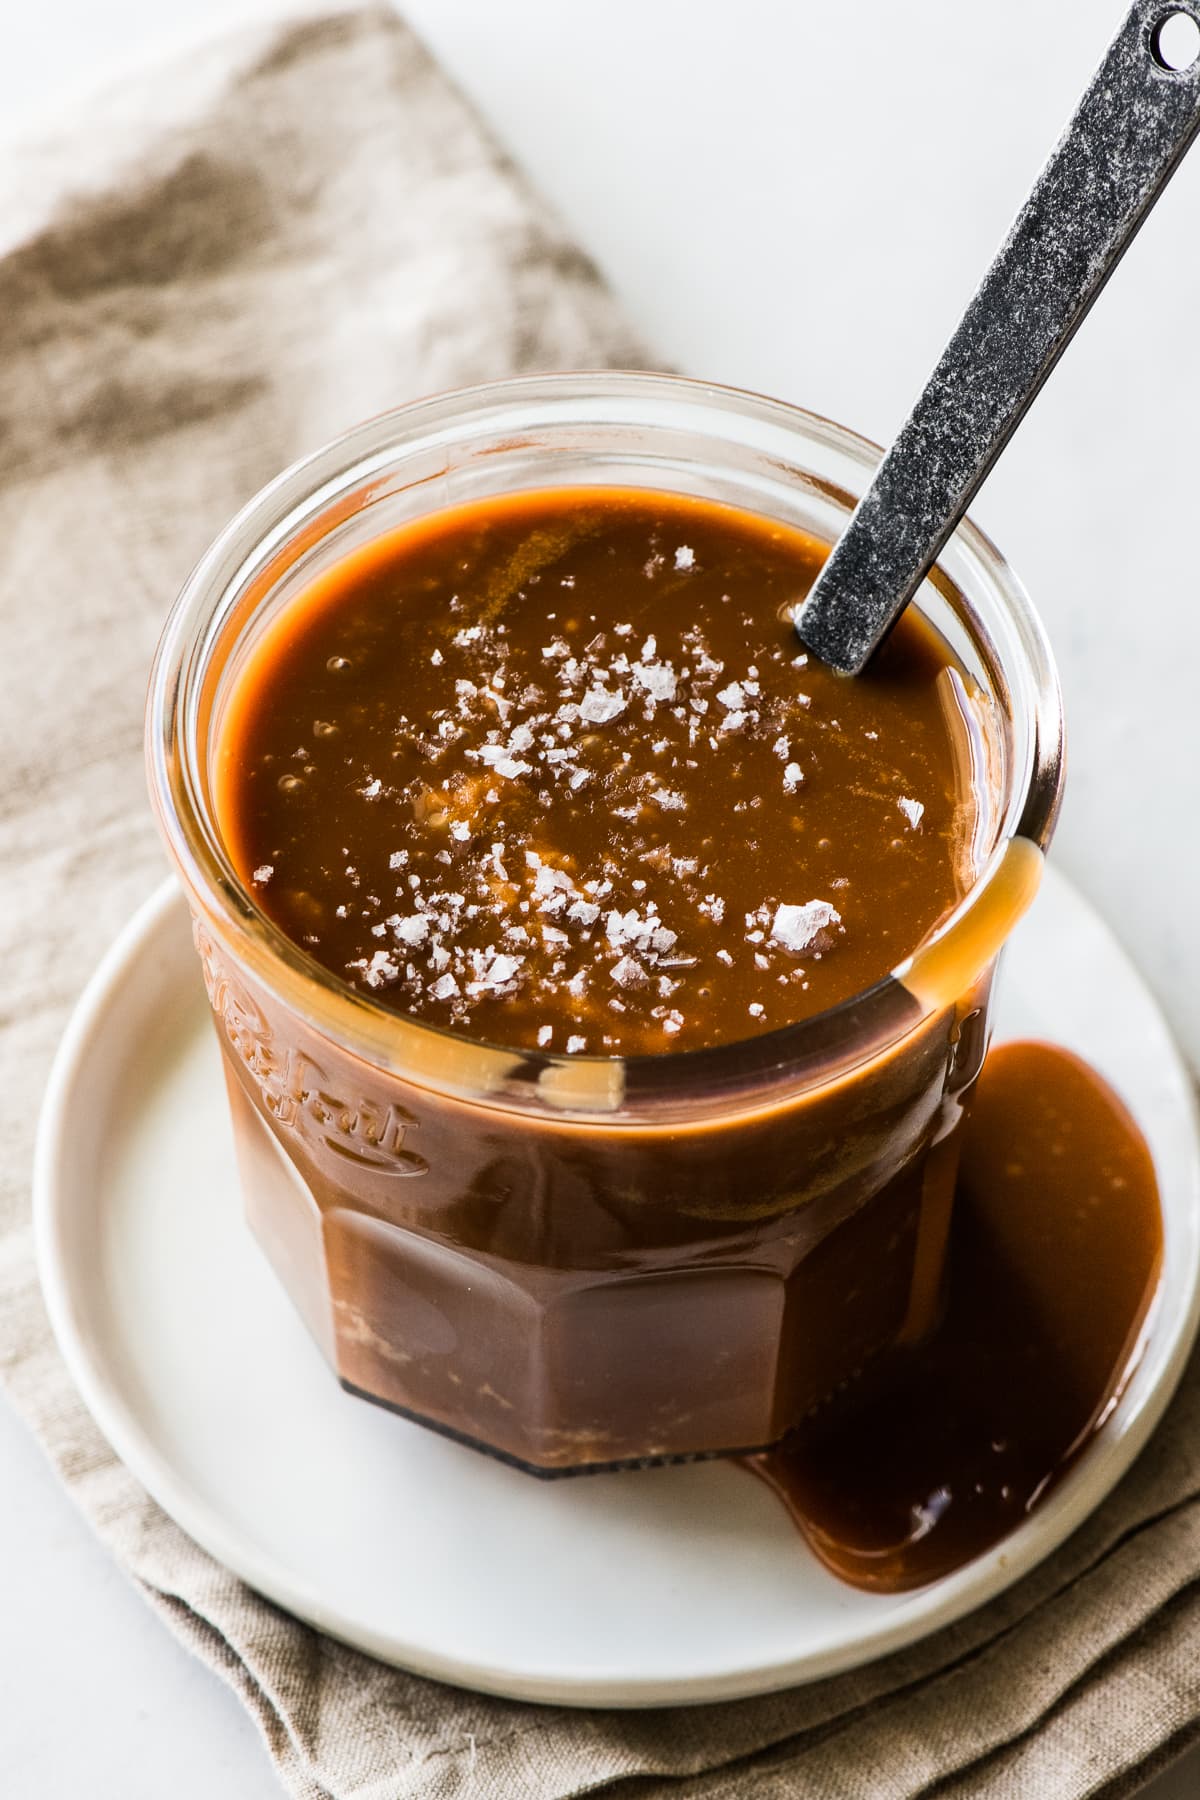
(564, 1371)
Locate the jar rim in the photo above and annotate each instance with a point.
(823, 1044)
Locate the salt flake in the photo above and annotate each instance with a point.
(628, 973)
(411, 931)
(379, 970)
(658, 681)
(500, 971)
(599, 707)
(796, 927)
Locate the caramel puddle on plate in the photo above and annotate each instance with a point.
(1054, 1257)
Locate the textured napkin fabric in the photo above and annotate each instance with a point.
(217, 271)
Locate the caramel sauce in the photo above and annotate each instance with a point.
(552, 770)
(1054, 1255)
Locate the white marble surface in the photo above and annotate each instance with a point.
(797, 198)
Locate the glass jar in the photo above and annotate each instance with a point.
(581, 1262)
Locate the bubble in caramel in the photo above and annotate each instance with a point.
(552, 770)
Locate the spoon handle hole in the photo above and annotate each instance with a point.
(1175, 41)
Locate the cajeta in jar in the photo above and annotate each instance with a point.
(552, 770)
(600, 979)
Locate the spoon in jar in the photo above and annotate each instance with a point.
(1125, 141)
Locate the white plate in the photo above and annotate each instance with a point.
(668, 1585)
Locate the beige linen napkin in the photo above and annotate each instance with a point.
(219, 269)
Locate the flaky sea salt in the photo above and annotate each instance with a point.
(412, 930)
(658, 680)
(500, 971)
(549, 881)
(913, 810)
(263, 874)
(379, 970)
(599, 707)
(796, 927)
(509, 767)
(592, 941)
(618, 927)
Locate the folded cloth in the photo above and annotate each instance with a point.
(219, 269)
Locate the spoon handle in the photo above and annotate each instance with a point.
(1130, 131)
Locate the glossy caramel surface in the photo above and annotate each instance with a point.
(552, 770)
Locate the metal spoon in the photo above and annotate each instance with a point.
(1132, 126)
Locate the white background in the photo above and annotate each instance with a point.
(797, 198)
